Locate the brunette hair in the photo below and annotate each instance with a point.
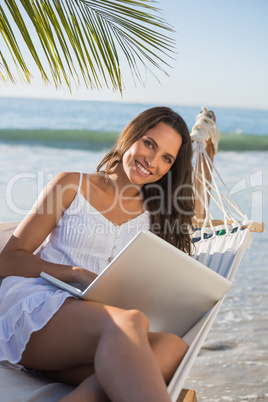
(170, 200)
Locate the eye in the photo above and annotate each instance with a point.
(167, 159)
(148, 144)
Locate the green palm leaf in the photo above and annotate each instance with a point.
(82, 40)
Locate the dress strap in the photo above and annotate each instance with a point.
(80, 182)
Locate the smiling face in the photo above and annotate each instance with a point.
(151, 156)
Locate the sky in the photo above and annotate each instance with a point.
(221, 60)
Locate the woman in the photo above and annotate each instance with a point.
(81, 222)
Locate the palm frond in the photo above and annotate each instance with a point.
(84, 40)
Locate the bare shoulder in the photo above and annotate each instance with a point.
(93, 181)
(44, 215)
(66, 178)
(66, 184)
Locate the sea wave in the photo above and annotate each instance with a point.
(97, 140)
(76, 139)
(243, 142)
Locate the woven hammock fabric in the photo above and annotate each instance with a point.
(221, 252)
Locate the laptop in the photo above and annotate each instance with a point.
(171, 288)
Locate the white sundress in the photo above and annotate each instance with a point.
(82, 237)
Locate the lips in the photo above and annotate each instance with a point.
(142, 169)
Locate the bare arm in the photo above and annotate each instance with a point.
(17, 257)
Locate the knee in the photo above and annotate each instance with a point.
(178, 346)
(123, 326)
(133, 319)
(126, 321)
(174, 342)
(173, 345)
(169, 350)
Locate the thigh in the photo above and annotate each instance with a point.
(71, 337)
(73, 376)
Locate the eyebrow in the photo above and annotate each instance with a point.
(155, 143)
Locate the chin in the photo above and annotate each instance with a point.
(146, 181)
(138, 181)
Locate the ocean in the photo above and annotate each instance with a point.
(39, 138)
(96, 125)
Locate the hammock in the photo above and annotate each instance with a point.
(218, 244)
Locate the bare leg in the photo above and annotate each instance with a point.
(88, 390)
(137, 373)
(73, 376)
(116, 341)
(86, 382)
(168, 350)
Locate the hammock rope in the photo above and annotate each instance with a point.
(216, 245)
(205, 129)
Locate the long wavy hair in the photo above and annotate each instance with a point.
(170, 200)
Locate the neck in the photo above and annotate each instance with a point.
(122, 184)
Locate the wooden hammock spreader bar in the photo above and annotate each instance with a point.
(187, 395)
(257, 227)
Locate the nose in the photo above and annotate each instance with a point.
(147, 162)
(150, 161)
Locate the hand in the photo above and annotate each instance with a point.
(83, 276)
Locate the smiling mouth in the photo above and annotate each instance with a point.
(142, 168)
